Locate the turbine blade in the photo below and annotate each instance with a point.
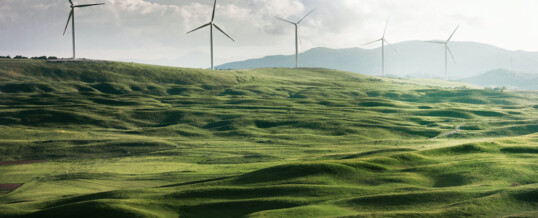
(214, 8)
(71, 2)
(451, 55)
(372, 42)
(88, 5)
(287, 21)
(436, 42)
(453, 34)
(68, 20)
(306, 16)
(207, 24)
(386, 24)
(223, 31)
(392, 46)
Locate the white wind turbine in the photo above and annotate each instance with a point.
(211, 24)
(447, 50)
(383, 41)
(296, 35)
(72, 16)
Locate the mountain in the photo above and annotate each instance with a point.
(502, 77)
(417, 59)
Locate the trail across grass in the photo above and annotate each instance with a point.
(458, 129)
(128, 140)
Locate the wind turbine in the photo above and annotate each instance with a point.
(383, 41)
(72, 16)
(447, 50)
(211, 24)
(296, 35)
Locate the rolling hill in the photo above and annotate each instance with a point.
(417, 59)
(112, 139)
(506, 78)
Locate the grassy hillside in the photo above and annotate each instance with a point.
(117, 139)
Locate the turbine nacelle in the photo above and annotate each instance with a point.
(383, 40)
(72, 13)
(447, 50)
(296, 24)
(212, 24)
(72, 17)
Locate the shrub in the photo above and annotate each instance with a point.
(20, 57)
(501, 89)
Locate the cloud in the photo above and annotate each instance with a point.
(195, 14)
(253, 14)
(143, 7)
(282, 8)
(4, 16)
(156, 28)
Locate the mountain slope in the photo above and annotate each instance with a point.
(502, 77)
(417, 59)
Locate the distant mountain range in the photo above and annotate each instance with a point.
(417, 59)
(502, 77)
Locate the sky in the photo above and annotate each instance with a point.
(154, 31)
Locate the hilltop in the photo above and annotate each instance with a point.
(114, 139)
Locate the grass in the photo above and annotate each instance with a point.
(131, 140)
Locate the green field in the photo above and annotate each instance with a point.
(130, 140)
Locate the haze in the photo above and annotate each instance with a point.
(153, 31)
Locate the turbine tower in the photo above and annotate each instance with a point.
(72, 16)
(211, 24)
(296, 35)
(447, 50)
(383, 41)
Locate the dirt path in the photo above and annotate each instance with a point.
(458, 129)
(5, 163)
(7, 188)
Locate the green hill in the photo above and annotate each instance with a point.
(113, 139)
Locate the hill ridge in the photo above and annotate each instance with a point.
(130, 140)
(417, 59)
(505, 78)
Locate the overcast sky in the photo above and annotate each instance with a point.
(155, 29)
